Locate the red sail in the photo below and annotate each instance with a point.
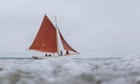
(46, 39)
(65, 44)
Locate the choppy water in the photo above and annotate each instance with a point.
(66, 70)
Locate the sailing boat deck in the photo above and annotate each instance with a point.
(46, 40)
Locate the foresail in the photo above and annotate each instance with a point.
(46, 38)
(65, 44)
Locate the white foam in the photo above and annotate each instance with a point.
(71, 71)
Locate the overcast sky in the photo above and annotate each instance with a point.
(106, 27)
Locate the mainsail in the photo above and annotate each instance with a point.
(46, 39)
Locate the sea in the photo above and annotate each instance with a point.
(70, 70)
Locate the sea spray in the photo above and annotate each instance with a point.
(66, 70)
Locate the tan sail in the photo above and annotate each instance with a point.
(46, 38)
(66, 46)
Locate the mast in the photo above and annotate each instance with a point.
(58, 38)
(57, 34)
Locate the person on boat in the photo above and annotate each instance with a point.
(46, 54)
(67, 52)
(61, 53)
(49, 55)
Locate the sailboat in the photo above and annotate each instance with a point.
(48, 40)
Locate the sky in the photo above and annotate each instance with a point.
(92, 27)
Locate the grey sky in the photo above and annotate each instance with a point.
(90, 26)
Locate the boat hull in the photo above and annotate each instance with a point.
(43, 57)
